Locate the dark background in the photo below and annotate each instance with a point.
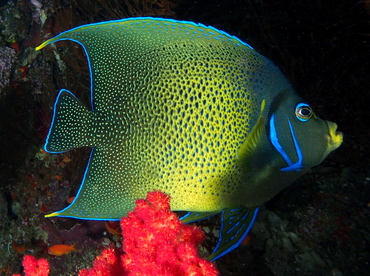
(318, 226)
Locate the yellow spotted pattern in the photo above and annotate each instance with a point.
(173, 103)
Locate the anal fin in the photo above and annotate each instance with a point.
(196, 216)
(235, 225)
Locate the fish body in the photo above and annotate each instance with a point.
(19, 248)
(61, 249)
(116, 231)
(188, 110)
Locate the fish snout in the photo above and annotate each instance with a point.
(334, 137)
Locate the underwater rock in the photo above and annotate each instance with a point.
(3, 207)
(7, 60)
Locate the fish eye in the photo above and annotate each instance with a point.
(303, 112)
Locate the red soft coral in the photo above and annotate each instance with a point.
(34, 267)
(155, 242)
(108, 263)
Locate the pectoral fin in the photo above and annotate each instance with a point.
(254, 142)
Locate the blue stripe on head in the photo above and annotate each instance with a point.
(275, 141)
(298, 165)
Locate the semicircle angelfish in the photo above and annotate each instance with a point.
(189, 110)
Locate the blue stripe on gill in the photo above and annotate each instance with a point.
(275, 141)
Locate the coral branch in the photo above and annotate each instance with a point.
(156, 242)
(108, 263)
(34, 267)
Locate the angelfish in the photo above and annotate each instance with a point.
(189, 110)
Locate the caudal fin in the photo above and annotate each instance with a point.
(70, 126)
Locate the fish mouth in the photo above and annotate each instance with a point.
(334, 137)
